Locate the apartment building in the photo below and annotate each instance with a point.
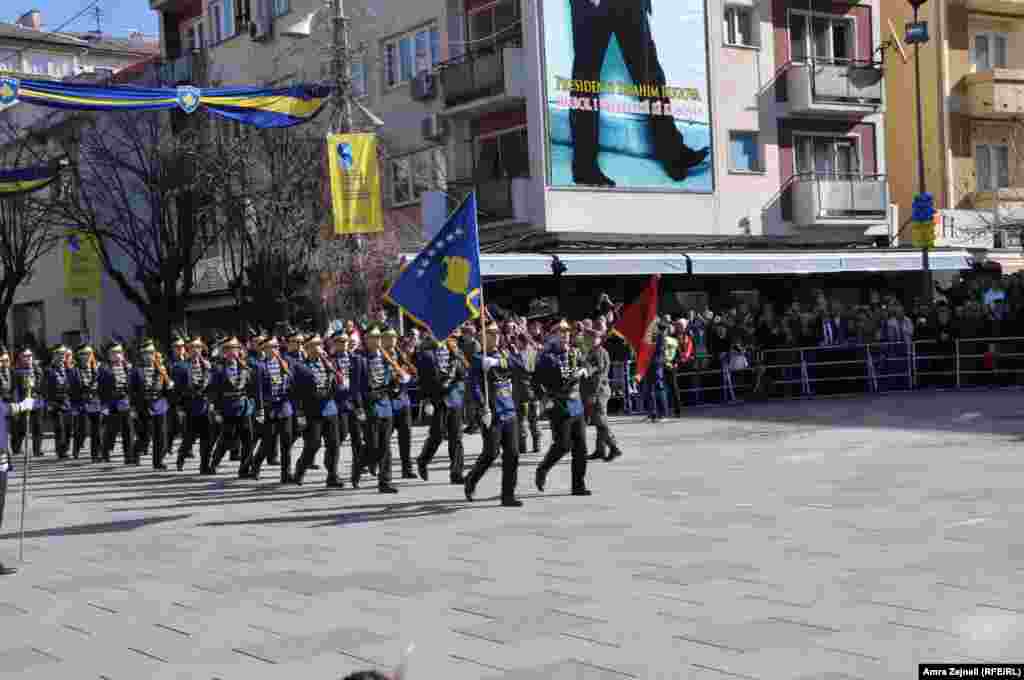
(972, 75)
(42, 309)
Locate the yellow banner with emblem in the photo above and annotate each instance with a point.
(355, 183)
(83, 269)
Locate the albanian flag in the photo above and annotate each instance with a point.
(638, 323)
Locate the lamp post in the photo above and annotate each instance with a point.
(924, 209)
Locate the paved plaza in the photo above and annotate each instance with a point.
(826, 540)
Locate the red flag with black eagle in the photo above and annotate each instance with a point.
(638, 323)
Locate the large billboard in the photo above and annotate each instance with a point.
(626, 87)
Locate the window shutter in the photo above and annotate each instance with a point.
(981, 60)
(1002, 161)
(999, 58)
(982, 168)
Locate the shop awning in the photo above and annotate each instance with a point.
(1011, 263)
(717, 264)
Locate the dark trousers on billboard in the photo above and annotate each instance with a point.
(593, 28)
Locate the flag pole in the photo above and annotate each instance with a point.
(483, 314)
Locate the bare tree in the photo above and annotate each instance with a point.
(29, 228)
(156, 199)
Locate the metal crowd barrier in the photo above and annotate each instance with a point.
(803, 372)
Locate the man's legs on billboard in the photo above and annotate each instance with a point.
(633, 31)
(591, 31)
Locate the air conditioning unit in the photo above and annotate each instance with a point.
(432, 127)
(423, 86)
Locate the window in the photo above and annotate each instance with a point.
(61, 67)
(222, 20)
(738, 26)
(744, 152)
(39, 65)
(282, 7)
(10, 61)
(824, 155)
(502, 156)
(415, 173)
(989, 51)
(821, 36)
(358, 76)
(408, 54)
(992, 163)
(489, 24)
(194, 35)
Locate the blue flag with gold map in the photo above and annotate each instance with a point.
(440, 288)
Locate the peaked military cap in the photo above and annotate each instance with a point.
(147, 345)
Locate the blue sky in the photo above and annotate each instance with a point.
(118, 17)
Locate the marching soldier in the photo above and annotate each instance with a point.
(442, 381)
(295, 357)
(274, 402)
(498, 418)
(315, 386)
(176, 412)
(349, 368)
(401, 405)
(376, 401)
(254, 358)
(85, 398)
(522, 347)
(150, 385)
(58, 399)
(557, 378)
(28, 384)
(232, 387)
(114, 392)
(597, 391)
(194, 380)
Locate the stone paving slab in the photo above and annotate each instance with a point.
(826, 540)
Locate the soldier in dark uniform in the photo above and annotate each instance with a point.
(315, 387)
(193, 380)
(525, 350)
(469, 345)
(275, 380)
(594, 22)
(28, 384)
(442, 381)
(58, 399)
(498, 418)
(376, 400)
(557, 378)
(254, 358)
(85, 396)
(295, 357)
(349, 368)
(176, 412)
(401, 404)
(597, 390)
(114, 392)
(150, 385)
(232, 388)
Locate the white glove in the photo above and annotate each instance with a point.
(486, 417)
(428, 410)
(25, 405)
(490, 362)
(582, 373)
(404, 377)
(361, 416)
(546, 405)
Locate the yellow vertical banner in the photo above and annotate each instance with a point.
(83, 270)
(355, 183)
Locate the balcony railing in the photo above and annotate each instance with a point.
(835, 86)
(829, 198)
(477, 75)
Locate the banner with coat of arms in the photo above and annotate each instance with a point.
(355, 183)
(83, 270)
(259, 106)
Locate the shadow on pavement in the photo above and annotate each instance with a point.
(97, 528)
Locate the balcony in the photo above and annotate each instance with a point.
(836, 200)
(497, 200)
(1004, 7)
(484, 80)
(187, 69)
(835, 88)
(997, 94)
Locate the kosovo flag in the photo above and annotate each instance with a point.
(441, 287)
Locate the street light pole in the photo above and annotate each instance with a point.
(340, 67)
(924, 210)
(925, 264)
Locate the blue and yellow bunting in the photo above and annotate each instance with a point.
(441, 287)
(258, 106)
(26, 180)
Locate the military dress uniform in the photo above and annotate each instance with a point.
(526, 399)
(350, 367)
(401, 414)
(176, 417)
(114, 393)
(597, 390)
(255, 361)
(85, 398)
(149, 393)
(295, 357)
(442, 381)
(28, 384)
(315, 387)
(557, 378)
(193, 379)
(274, 387)
(58, 401)
(499, 424)
(232, 387)
(376, 402)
